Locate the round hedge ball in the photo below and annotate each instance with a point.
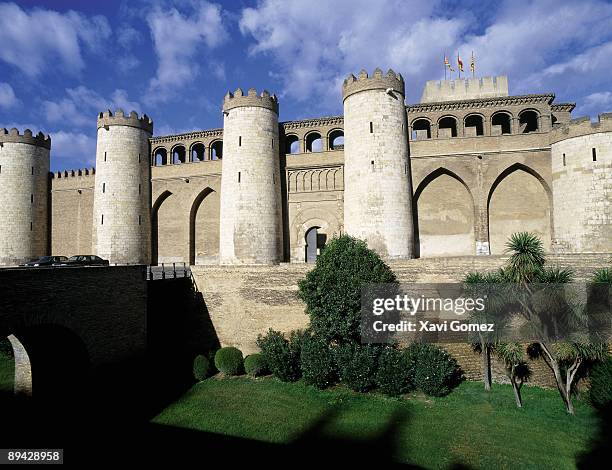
(201, 367)
(255, 365)
(229, 361)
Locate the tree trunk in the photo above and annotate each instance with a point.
(486, 366)
(517, 394)
(563, 391)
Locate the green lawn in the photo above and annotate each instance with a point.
(7, 371)
(469, 426)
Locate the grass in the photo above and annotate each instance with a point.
(469, 426)
(7, 371)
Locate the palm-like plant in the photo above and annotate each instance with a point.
(527, 257)
(517, 369)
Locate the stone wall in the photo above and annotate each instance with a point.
(72, 195)
(105, 308)
(245, 301)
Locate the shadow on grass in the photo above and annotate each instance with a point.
(599, 447)
(93, 430)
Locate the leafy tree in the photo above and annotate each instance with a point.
(517, 369)
(332, 290)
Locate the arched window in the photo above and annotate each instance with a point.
(474, 125)
(501, 124)
(292, 144)
(528, 122)
(160, 157)
(336, 139)
(216, 150)
(179, 155)
(421, 129)
(447, 127)
(197, 152)
(314, 143)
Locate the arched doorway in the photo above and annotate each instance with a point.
(444, 216)
(519, 201)
(315, 243)
(204, 228)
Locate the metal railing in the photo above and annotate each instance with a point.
(168, 271)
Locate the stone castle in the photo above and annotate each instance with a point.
(453, 175)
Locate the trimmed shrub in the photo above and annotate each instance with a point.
(255, 365)
(317, 362)
(201, 368)
(357, 365)
(280, 355)
(332, 290)
(229, 360)
(600, 389)
(396, 371)
(437, 371)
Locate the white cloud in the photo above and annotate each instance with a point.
(179, 40)
(595, 103)
(8, 99)
(35, 40)
(72, 150)
(81, 106)
(313, 49)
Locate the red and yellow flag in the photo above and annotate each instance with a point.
(447, 63)
(459, 64)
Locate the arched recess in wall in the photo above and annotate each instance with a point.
(204, 228)
(155, 241)
(443, 216)
(519, 201)
(56, 359)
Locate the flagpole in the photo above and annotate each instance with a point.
(444, 65)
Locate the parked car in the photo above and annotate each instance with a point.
(86, 260)
(47, 261)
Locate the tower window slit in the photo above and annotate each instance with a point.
(239, 177)
(102, 220)
(32, 170)
(240, 141)
(594, 154)
(32, 198)
(103, 187)
(31, 226)
(371, 127)
(139, 188)
(140, 220)
(563, 159)
(104, 156)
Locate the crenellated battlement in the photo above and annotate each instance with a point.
(378, 81)
(465, 89)
(107, 118)
(13, 136)
(582, 126)
(238, 99)
(73, 173)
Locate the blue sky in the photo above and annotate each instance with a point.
(63, 61)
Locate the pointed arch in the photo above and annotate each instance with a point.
(155, 226)
(193, 213)
(448, 226)
(521, 205)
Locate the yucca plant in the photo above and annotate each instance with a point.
(517, 369)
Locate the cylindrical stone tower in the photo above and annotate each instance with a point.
(582, 186)
(250, 216)
(122, 199)
(377, 181)
(24, 196)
